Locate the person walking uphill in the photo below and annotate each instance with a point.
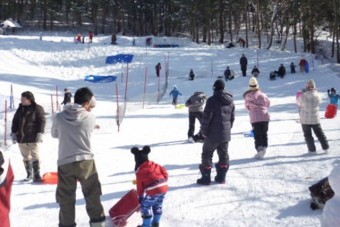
(67, 97)
(174, 93)
(309, 103)
(217, 121)
(28, 127)
(257, 103)
(244, 63)
(73, 127)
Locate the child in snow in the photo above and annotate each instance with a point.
(333, 96)
(152, 185)
(174, 93)
(255, 72)
(292, 68)
(257, 103)
(191, 74)
(6, 181)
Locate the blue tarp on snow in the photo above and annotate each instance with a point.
(119, 58)
(100, 79)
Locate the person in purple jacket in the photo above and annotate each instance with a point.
(257, 103)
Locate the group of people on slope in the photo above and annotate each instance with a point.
(218, 117)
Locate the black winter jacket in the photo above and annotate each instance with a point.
(27, 122)
(218, 117)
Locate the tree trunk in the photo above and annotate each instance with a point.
(272, 25)
(221, 22)
(246, 20)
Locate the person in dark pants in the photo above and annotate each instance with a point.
(257, 103)
(282, 71)
(244, 63)
(191, 74)
(67, 97)
(217, 121)
(292, 68)
(195, 106)
(73, 127)
(309, 103)
(158, 68)
(28, 127)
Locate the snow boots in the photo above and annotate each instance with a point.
(221, 170)
(205, 171)
(97, 224)
(36, 171)
(146, 221)
(29, 171)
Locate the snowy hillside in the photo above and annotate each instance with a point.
(271, 192)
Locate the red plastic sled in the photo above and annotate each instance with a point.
(331, 111)
(50, 178)
(124, 208)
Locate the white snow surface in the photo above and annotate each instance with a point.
(269, 192)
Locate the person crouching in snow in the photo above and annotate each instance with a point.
(6, 181)
(257, 103)
(152, 185)
(174, 93)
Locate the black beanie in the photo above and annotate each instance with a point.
(141, 156)
(29, 95)
(218, 85)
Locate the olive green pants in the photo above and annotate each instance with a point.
(85, 172)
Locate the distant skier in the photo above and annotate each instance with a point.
(174, 93)
(152, 186)
(158, 68)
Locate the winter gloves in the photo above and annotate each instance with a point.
(39, 138)
(14, 138)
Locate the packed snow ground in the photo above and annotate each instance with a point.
(271, 192)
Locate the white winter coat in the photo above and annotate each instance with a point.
(309, 103)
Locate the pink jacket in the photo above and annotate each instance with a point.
(257, 103)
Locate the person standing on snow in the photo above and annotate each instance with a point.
(195, 106)
(309, 103)
(73, 127)
(152, 186)
(67, 97)
(6, 181)
(28, 127)
(158, 68)
(244, 63)
(174, 93)
(217, 121)
(333, 96)
(257, 103)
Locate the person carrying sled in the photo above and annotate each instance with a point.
(217, 121)
(255, 72)
(67, 97)
(73, 127)
(243, 64)
(174, 93)
(195, 106)
(152, 186)
(158, 68)
(28, 127)
(281, 71)
(191, 74)
(333, 96)
(309, 103)
(257, 103)
(6, 182)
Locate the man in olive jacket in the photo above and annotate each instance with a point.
(217, 121)
(28, 127)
